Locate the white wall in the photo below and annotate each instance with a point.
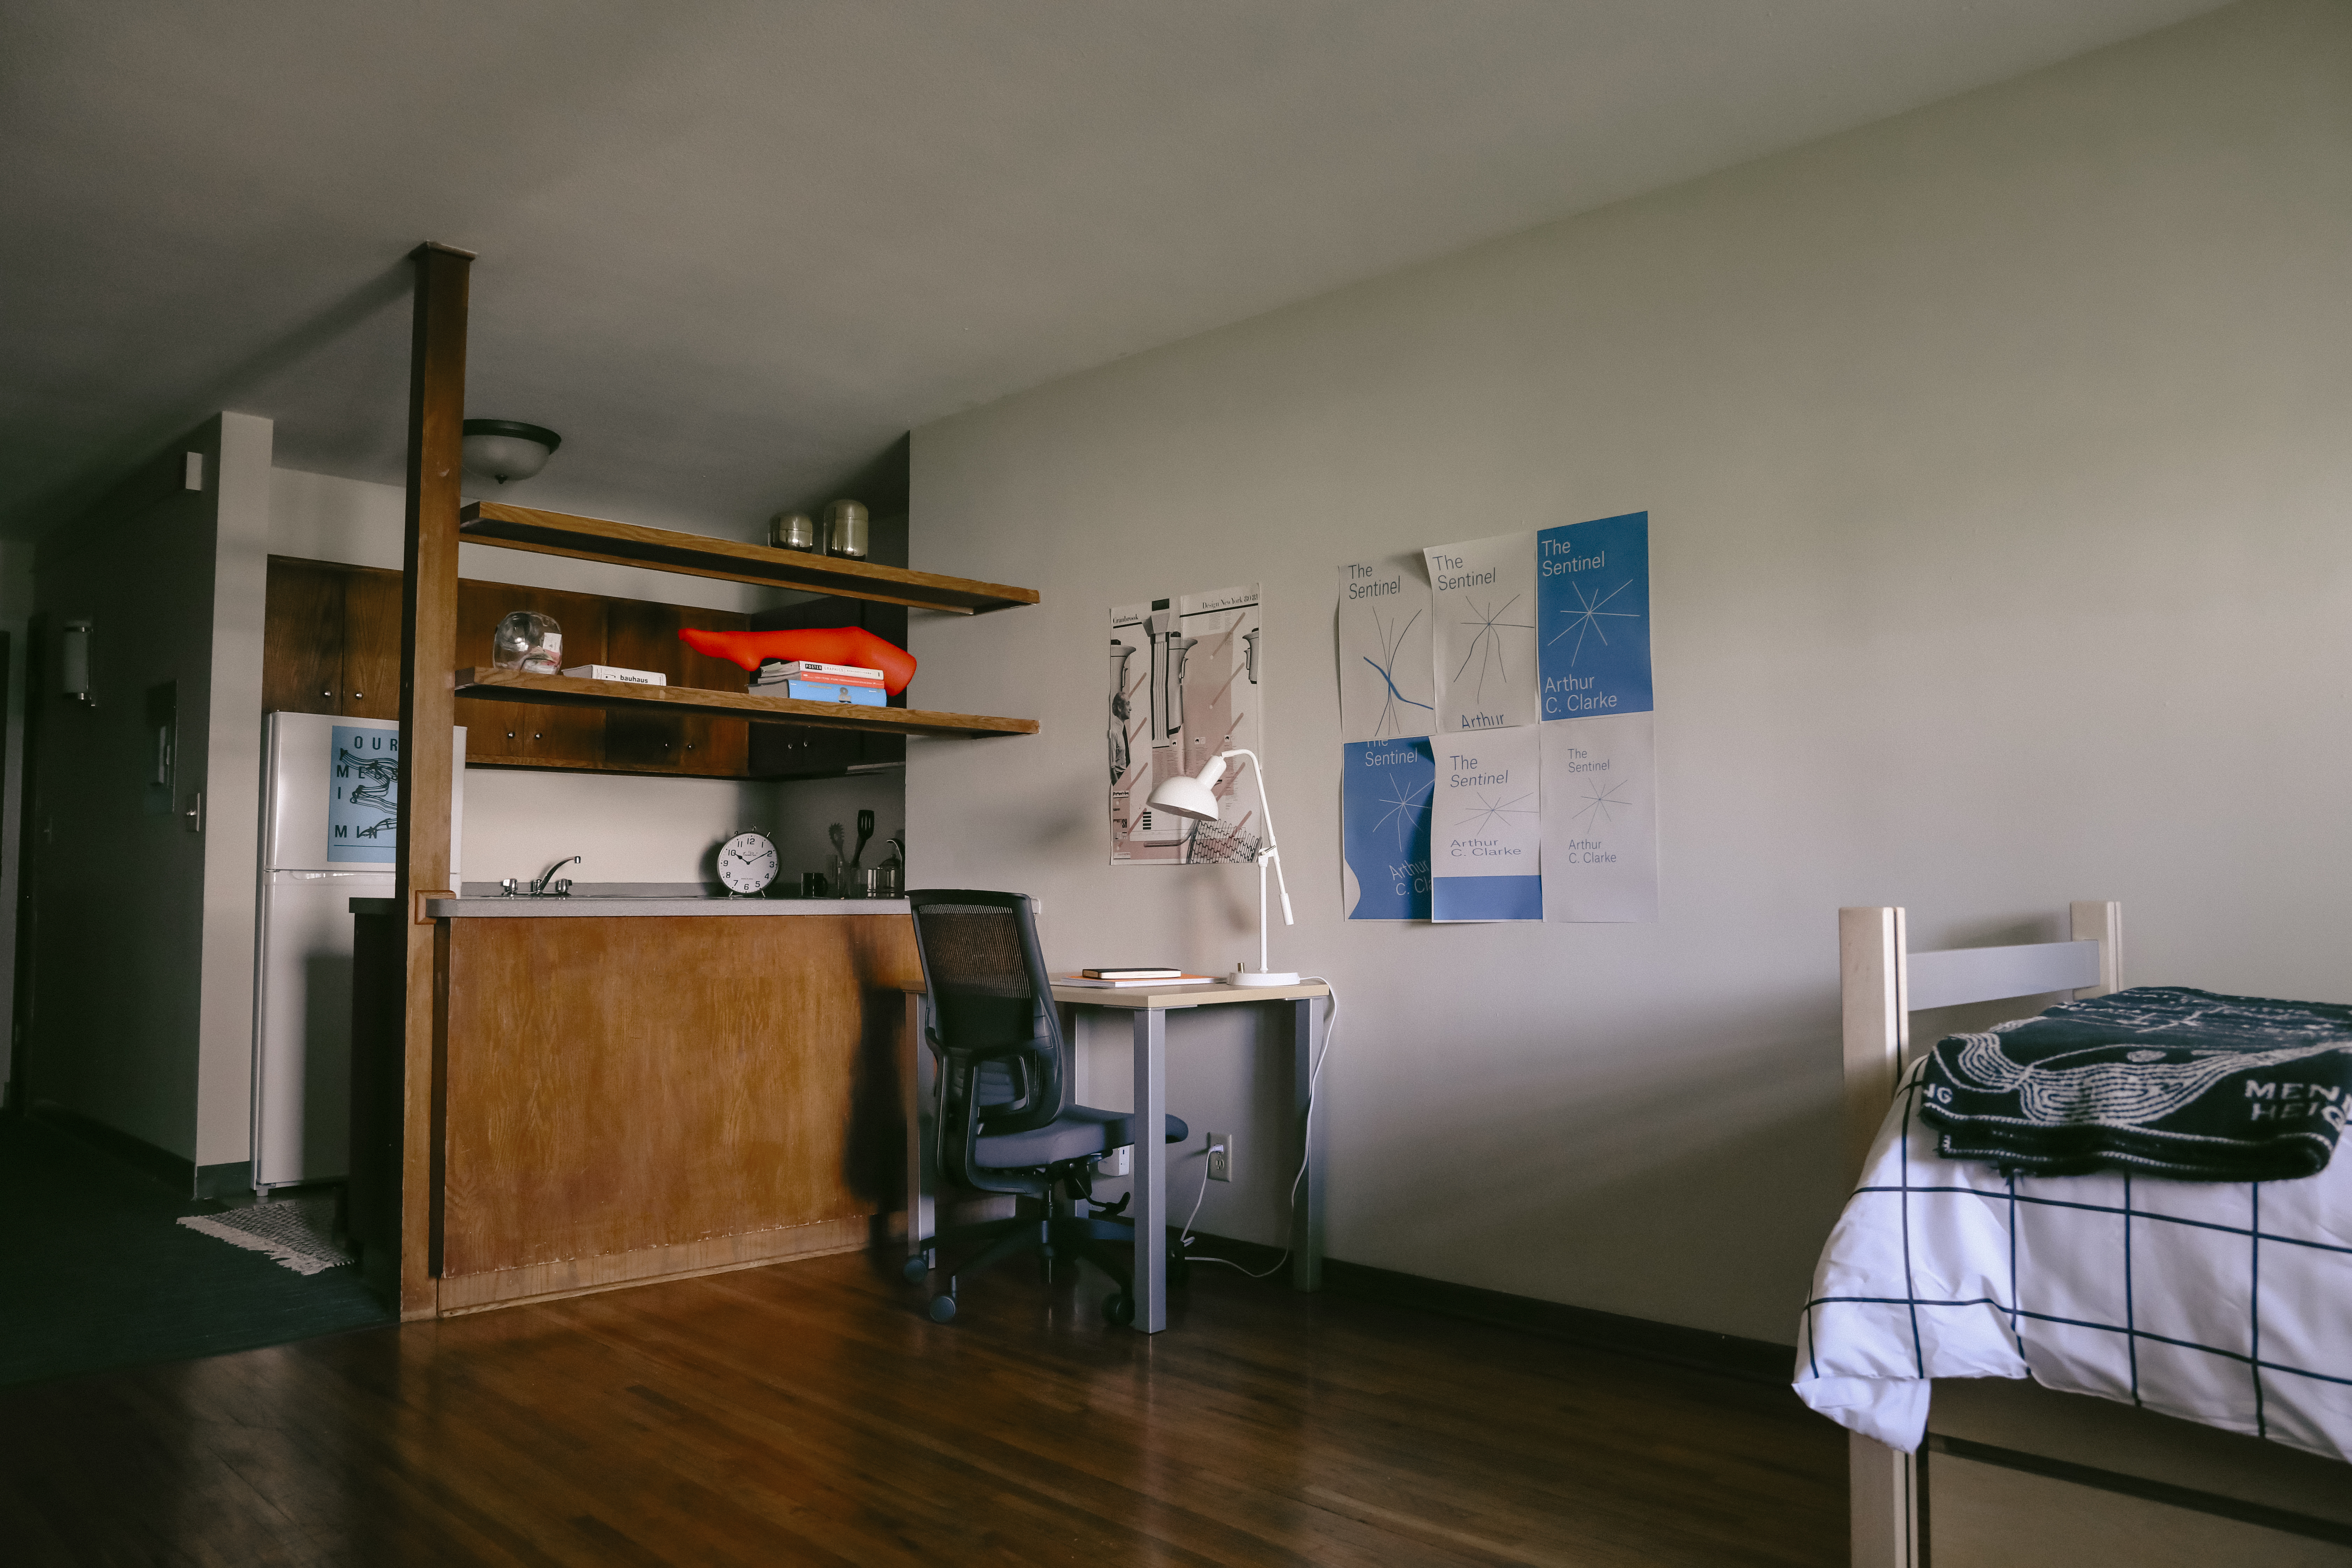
(1997, 468)
(143, 971)
(517, 823)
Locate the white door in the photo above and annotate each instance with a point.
(302, 1074)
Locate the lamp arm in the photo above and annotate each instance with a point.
(1271, 852)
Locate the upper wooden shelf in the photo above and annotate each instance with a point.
(695, 555)
(564, 690)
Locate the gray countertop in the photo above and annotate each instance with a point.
(578, 907)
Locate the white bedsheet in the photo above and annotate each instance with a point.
(2229, 1303)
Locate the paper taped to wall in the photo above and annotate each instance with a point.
(1487, 833)
(1384, 803)
(1483, 633)
(1601, 818)
(1386, 682)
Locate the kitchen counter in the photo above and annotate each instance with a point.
(576, 907)
(618, 1100)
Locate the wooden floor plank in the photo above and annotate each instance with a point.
(809, 1412)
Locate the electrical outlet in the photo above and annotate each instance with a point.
(1221, 1156)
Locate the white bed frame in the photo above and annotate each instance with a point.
(2023, 1477)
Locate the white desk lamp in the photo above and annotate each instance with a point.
(1196, 797)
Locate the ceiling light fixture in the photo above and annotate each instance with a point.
(504, 451)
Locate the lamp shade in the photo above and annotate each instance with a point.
(503, 450)
(1187, 796)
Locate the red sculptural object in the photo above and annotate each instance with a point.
(823, 644)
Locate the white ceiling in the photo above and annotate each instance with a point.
(730, 250)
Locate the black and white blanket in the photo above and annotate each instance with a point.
(2158, 1080)
(2225, 1302)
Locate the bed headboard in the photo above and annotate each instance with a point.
(1882, 982)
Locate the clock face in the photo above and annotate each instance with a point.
(746, 863)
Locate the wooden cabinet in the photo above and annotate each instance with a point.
(798, 751)
(641, 635)
(330, 644)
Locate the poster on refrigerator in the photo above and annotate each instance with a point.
(1483, 633)
(363, 795)
(1386, 683)
(1601, 818)
(1384, 806)
(1592, 616)
(1486, 827)
(1185, 685)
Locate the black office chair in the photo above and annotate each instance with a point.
(1003, 1121)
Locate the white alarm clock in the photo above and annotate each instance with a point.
(746, 863)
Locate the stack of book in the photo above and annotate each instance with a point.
(1131, 979)
(813, 682)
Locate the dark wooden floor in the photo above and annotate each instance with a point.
(807, 1412)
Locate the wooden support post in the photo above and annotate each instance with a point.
(1873, 973)
(437, 417)
(2103, 922)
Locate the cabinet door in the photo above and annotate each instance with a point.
(801, 752)
(643, 635)
(529, 731)
(302, 637)
(370, 668)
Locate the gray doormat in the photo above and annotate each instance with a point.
(293, 1232)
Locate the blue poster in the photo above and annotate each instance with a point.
(1592, 616)
(1384, 798)
(363, 795)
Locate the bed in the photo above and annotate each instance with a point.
(1959, 1317)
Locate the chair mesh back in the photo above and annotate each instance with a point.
(988, 987)
(979, 977)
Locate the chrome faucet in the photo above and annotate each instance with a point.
(539, 889)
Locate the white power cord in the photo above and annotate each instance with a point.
(1314, 1099)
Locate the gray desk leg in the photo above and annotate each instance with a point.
(915, 1090)
(1307, 1212)
(1150, 1180)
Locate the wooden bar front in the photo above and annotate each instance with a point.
(635, 1097)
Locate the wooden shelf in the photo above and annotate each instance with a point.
(695, 555)
(564, 690)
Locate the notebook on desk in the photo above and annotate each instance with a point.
(1104, 983)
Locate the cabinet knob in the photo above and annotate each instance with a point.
(359, 694)
(326, 694)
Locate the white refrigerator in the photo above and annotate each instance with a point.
(328, 837)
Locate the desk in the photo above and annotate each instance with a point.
(1148, 1009)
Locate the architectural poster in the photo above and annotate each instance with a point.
(1185, 686)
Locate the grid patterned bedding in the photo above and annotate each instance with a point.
(2225, 1302)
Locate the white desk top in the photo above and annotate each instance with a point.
(1145, 998)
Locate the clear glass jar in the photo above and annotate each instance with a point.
(844, 529)
(529, 642)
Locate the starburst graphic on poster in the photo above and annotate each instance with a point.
(1487, 813)
(1585, 619)
(1485, 649)
(1404, 807)
(1602, 803)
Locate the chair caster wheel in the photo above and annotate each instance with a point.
(918, 1268)
(1118, 1307)
(943, 1308)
